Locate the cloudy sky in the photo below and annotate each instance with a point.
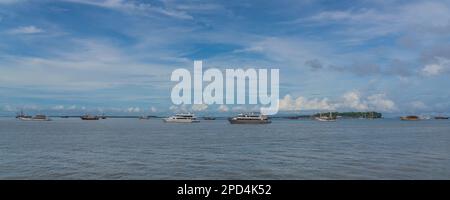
(116, 56)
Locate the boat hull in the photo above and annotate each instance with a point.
(325, 120)
(410, 118)
(168, 120)
(209, 118)
(84, 118)
(234, 121)
(32, 119)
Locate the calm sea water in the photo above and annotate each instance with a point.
(285, 149)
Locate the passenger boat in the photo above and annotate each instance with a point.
(250, 118)
(324, 118)
(181, 118)
(34, 118)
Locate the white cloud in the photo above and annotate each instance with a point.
(353, 100)
(290, 51)
(418, 105)
(133, 110)
(185, 108)
(349, 101)
(10, 1)
(72, 107)
(203, 7)
(441, 66)
(31, 107)
(135, 7)
(223, 108)
(432, 69)
(287, 103)
(8, 108)
(58, 107)
(363, 24)
(302, 103)
(349, 16)
(428, 13)
(199, 107)
(172, 107)
(181, 108)
(153, 109)
(380, 102)
(26, 30)
(86, 65)
(239, 109)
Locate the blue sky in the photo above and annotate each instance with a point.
(116, 56)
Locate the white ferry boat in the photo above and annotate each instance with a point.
(35, 118)
(250, 118)
(182, 118)
(324, 118)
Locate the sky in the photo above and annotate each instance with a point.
(116, 56)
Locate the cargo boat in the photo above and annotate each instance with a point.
(90, 117)
(410, 118)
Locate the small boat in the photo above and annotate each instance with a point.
(181, 118)
(144, 117)
(209, 118)
(40, 118)
(410, 118)
(370, 115)
(440, 117)
(90, 117)
(250, 118)
(23, 116)
(35, 118)
(325, 118)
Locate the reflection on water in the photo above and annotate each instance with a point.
(285, 149)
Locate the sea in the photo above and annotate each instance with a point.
(285, 149)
